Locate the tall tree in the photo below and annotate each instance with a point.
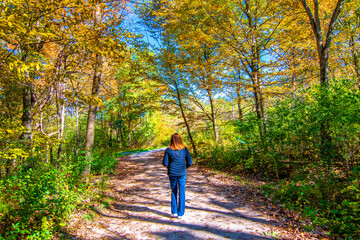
(176, 81)
(90, 130)
(323, 43)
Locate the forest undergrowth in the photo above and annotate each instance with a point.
(323, 188)
(38, 200)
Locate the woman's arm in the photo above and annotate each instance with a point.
(188, 158)
(165, 161)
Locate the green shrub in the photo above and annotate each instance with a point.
(327, 200)
(38, 200)
(103, 162)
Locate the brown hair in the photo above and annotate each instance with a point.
(176, 142)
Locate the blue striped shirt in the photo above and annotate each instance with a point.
(177, 161)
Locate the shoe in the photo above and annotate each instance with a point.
(181, 217)
(174, 215)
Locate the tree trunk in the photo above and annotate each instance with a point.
(77, 130)
(326, 148)
(238, 101)
(254, 63)
(61, 130)
(110, 135)
(61, 113)
(213, 116)
(90, 131)
(117, 133)
(355, 58)
(184, 117)
(129, 134)
(293, 85)
(257, 97)
(121, 134)
(240, 109)
(254, 66)
(324, 69)
(27, 107)
(61, 68)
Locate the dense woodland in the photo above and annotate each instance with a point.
(266, 89)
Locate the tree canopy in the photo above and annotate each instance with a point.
(262, 88)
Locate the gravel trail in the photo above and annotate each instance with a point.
(217, 206)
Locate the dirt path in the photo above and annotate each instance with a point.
(217, 207)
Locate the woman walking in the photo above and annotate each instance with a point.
(177, 159)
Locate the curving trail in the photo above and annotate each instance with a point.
(217, 207)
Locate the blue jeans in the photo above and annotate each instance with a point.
(177, 184)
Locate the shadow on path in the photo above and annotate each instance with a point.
(193, 227)
(133, 208)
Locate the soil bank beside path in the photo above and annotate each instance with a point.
(217, 207)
